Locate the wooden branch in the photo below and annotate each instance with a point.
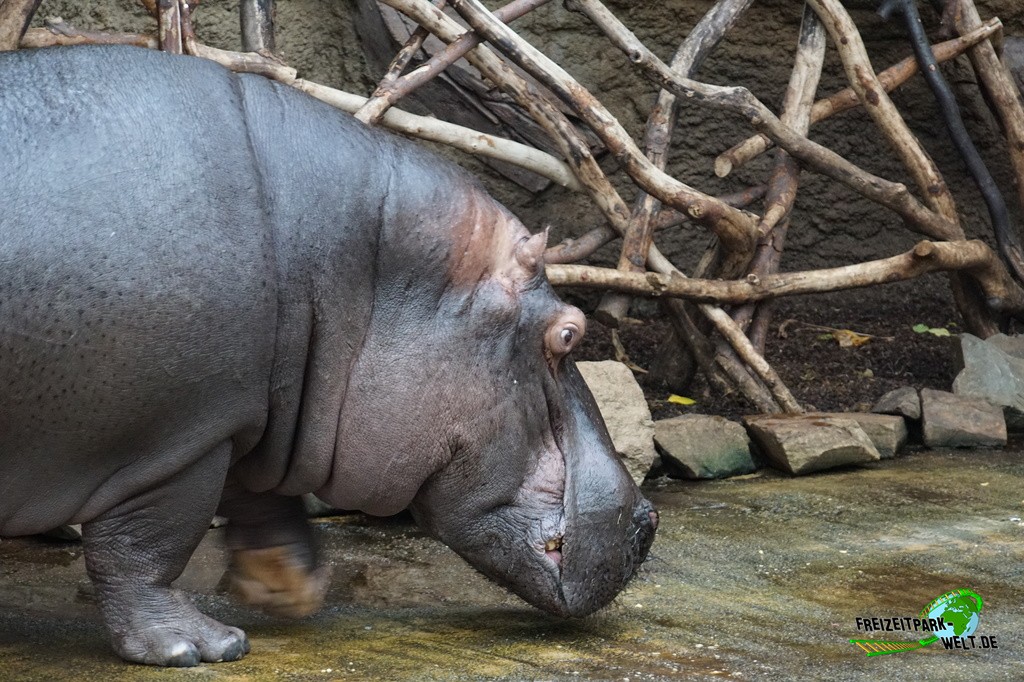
(422, 127)
(724, 371)
(922, 169)
(846, 99)
(892, 195)
(387, 93)
(577, 248)
(974, 257)
(731, 332)
(739, 100)
(170, 26)
(15, 17)
(998, 84)
(572, 146)
(256, 18)
(733, 227)
(59, 33)
(657, 135)
(1006, 235)
(782, 187)
(881, 109)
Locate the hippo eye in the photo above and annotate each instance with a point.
(563, 335)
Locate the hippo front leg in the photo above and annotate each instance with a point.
(273, 556)
(134, 552)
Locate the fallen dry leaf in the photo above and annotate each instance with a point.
(849, 339)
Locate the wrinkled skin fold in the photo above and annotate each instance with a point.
(259, 297)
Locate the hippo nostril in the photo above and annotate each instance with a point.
(645, 515)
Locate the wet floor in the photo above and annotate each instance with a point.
(755, 578)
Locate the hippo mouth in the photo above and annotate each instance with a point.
(553, 550)
(543, 498)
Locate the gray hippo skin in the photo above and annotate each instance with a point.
(218, 292)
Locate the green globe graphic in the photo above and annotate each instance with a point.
(959, 611)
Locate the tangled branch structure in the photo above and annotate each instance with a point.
(721, 312)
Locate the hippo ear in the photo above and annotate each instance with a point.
(530, 253)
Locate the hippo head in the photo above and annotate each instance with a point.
(484, 428)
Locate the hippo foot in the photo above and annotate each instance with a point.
(170, 631)
(278, 580)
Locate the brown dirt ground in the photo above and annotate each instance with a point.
(820, 373)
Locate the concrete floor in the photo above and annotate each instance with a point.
(755, 578)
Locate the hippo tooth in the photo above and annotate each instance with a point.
(553, 544)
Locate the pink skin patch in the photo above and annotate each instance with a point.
(555, 555)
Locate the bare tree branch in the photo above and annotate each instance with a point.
(998, 83)
(782, 186)
(169, 17)
(733, 227)
(257, 23)
(422, 127)
(393, 88)
(881, 109)
(657, 136)
(973, 256)
(846, 99)
(15, 16)
(739, 100)
(1006, 236)
(59, 33)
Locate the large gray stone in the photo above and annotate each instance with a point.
(801, 444)
(1011, 345)
(703, 446)
(625, 412)
(954, 421)
(992, 373)
(888, 433)
(904, 402)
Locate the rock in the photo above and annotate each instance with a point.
(801, 444)
(993, 371)
(703, 446)
(904, 402)
(1011, 345)
(955, 421)
(888, 433)
(625, 412)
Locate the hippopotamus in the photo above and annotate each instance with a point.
(218, 294)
